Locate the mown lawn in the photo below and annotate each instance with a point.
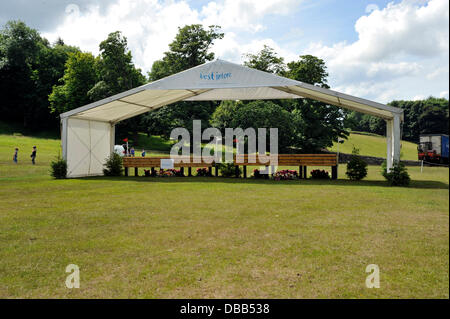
(216, 237)
(374, 145)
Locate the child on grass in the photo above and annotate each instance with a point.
(33, 155)
(16, 151)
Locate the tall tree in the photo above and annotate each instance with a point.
(115, 68)
(266, 114)
(420, 117)
(49, 70)
(191, 47)
(29, 68)
(318, 125)
(224, 114)
(434, 118)
(19, 49)
(79, 77)
(266, 60)
(116, 73)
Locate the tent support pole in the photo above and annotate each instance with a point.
(396, 142)
(389, 133)
(64, 123)
(112, 138)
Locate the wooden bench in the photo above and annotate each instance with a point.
(300, 160)
(152, 162)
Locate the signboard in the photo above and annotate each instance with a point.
(166, 164)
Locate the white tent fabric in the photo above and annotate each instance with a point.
(88, 131)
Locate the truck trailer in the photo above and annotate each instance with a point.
(433, 148)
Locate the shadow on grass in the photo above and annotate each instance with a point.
(339, 182)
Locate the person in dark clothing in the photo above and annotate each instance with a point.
(16, 151)
(33, 155)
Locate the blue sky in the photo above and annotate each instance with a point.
(380, 50)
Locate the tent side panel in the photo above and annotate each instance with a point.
(86, 145)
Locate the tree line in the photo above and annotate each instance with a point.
(429, 116)
(39, 81)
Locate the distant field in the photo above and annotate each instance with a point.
(373, 145)
(218, 237)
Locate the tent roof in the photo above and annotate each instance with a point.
(219, 80)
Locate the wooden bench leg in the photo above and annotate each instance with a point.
(182, 171)
(237, 170)
(334, 172)
(153, 171)
(190, 171)
(305, 172)
(136, 171)
(126, 171)
(210, 171)
(267, 172)
(245, 171)
(300, 172)
(216, 171)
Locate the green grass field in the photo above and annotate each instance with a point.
(374, 145)
(217, 237)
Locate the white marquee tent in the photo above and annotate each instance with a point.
(88, 131)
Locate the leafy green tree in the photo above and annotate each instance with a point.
(420, 117)
(266, 114)
(50, 69)
(434, 117)
(79, 77)
(317, 124)
(224, 114)
(115, 68)
(266, 60)
(116, 73)
(29, 68)
(19, 49)
(189, 48)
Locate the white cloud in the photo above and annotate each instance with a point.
(150, 25)
(401, 51)
(371, 7)
(403, 43)
(244, 15)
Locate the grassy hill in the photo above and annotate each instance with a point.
(374, 145)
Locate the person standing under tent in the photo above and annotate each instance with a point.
(132, 151)
(33, 155)
(16, 151)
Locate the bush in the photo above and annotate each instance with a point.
(285, 175)
(356, 167)
(398, 176)
(228, 169)
(113, 165)
(58, 168)
(203, 172)
(320, 174)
